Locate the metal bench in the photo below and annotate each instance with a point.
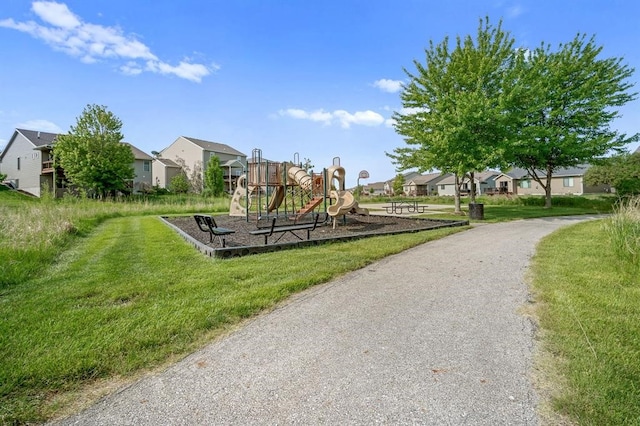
(208, 224)
(283, 229)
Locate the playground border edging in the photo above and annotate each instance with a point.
(231, 252)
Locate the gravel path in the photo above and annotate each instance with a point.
(433, 335)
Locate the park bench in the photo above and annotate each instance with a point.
(208, 224)
(283, 229)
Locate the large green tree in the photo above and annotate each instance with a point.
(620, 171)
(568, 101)
(92, 153)
(214, 178)
(455, 106)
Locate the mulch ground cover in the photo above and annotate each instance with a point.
(348, 226)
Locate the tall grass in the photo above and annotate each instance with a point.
(34, 231)
(624, 230)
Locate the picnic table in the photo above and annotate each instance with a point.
(400, 206)
(283, 229)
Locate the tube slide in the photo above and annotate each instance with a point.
(301, 177)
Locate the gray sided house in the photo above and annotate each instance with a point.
(567, 181)
(28, 163)
(374, 188)
(485, 182)
(423, 184)
(192, 156)
(388, 185)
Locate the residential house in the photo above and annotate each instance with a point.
(423, 184)
(485, 182)
(374, 189)
(566, 181)
(191, 155)
(27, 161)
(388, 185)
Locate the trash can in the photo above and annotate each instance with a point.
(476, 211)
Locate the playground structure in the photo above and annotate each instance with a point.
(285, 189)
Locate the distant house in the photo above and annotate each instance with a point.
(373, 189)
(485, 181)
(191, 155)
(388, 185)
(423, 184)
(28, 163)
(566, 181)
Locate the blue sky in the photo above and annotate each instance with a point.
(316, 78)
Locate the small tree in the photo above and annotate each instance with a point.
(213, 178)
(179, 184)
(92, 154)
(307, 165)
(398, 184)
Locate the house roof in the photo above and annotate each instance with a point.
(215, 147)
(407, 177)
(479, 176)
(138, 154)
(45, 139)
(167, 162)
(374, 185)
(518, 173)
(37, 139)
(425, 179)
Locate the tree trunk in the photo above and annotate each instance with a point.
(456, 198)
(547, 192)
(472, 194)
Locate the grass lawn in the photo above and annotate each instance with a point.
(132, 296)
(94, 294)
(589, 311)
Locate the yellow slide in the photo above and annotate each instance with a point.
(345, 203)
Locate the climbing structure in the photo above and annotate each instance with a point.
(286, 189)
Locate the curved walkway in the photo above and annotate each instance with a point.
(434, 335)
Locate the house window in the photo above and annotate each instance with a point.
(504, 184)
(567, 182)
(146, 166)
(442, 187)
(525, 183)
(18, 163)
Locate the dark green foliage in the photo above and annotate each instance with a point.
(179, 184)
(92, 154)
(213, 178)
(620, 171)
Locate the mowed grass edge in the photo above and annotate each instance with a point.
(132, 296)
(588, 306)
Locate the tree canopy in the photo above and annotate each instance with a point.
(92, 153)
(453, 116)
(569, 101)
(620, 171)
(486, 104)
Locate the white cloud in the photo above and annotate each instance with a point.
(42, 125)
(391, 86)
(344, 118)
(65, 31)
(515, 11)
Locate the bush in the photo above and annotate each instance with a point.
(179, 184)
